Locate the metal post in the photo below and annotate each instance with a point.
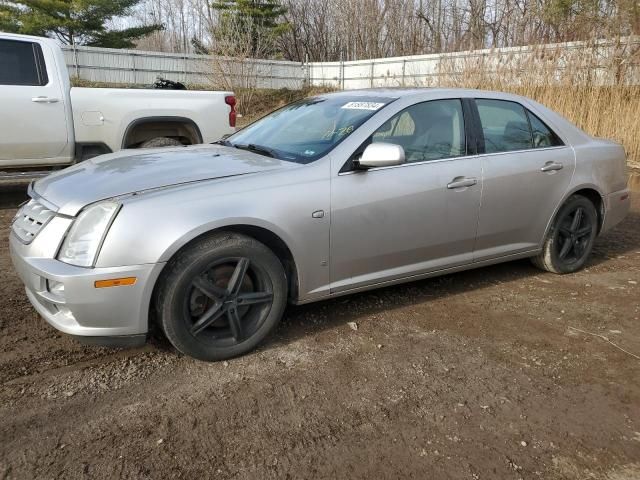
(75, 58)
(372, 64)
(185, 68)
(404, 66)
(133, 64)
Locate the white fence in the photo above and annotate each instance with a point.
(142, 68)
(602, 63)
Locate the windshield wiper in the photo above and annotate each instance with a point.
(260, 149)
(226, 143)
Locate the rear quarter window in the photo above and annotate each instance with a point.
(543, 136)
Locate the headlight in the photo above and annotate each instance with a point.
(82, 243)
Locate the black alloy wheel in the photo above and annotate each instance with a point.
(570, 239)
(573, 235)
(221, 296)
(228, 302)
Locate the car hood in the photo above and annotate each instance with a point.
(132, 171)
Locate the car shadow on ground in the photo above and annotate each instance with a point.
(12, 195)
(305, 320)
(331, 313)
(302, 321)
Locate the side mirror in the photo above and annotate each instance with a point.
(381, 155)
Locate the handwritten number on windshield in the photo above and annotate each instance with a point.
(340, 132)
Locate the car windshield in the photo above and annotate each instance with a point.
(308, 129)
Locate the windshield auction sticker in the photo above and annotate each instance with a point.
(363, 106)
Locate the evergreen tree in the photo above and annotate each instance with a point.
(257, 19)
(80, 22)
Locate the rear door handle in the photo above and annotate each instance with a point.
(44, 100)
(460, 182)
(551, 166)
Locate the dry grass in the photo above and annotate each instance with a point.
(265, 101)
(611, 112)
(598, 90)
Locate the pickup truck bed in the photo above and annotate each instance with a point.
(47, 124)
(112, 115)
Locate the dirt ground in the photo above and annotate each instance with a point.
(478, 375)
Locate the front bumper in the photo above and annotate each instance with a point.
(81, 309)
(616, 208)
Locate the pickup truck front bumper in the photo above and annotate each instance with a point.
(113, 316)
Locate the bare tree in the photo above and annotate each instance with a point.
(331, 30)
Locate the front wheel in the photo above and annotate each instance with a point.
(221, 296)
(570, 238)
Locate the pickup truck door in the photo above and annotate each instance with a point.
(33, 121)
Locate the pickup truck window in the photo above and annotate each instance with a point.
(22, 64)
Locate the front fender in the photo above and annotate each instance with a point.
(152, 227)
(220, 225)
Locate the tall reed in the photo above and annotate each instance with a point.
(597, 88)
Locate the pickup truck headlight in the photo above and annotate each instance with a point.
(85, 237)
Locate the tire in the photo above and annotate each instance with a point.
(569, 240)
(161, 142)
(220, 297)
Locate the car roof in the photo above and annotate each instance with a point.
(570, 132)
(404, 92)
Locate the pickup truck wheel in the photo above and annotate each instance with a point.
(161, 142)
(221, 297)
(570, 239)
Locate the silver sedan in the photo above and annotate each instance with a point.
(327, 196)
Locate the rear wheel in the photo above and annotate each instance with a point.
(161, 142)
(221, 297)
(570, 239)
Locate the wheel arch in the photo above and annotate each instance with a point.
(590, 191)
(263, 234)
(597, 199)
(129, 138)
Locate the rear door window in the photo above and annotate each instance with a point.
(505, 126)
(22, 63)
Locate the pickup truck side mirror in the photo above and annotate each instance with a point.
(381, 155)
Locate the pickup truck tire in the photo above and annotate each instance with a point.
(161, 142)
(221, 296)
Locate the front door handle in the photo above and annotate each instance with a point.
(461, 182)
(551, 166)
(44, 100)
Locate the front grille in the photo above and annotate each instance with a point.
(29, 221)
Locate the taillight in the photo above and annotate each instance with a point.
(231, 101)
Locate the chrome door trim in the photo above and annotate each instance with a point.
(543, 149)
(439, 160)
(451, 159)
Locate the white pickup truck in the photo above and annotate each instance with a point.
(44, 123)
